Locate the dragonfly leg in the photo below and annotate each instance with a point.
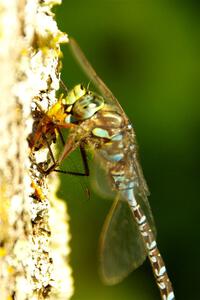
(61, 136)
(49, 147)
(41, 169)
(83, 156)
(84, 160)
(85, 165)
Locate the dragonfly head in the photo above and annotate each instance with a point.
(81, 103)
(87, 106)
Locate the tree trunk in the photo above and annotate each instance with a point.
(34, 233)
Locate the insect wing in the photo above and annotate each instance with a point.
(100, 180)
(122, 249)
(121, 246)
(101, 183)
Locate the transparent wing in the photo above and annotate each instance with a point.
(122, 249)
(101, 183)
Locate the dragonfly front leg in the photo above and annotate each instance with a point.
(84, 160)
(85, 165)
(41, 169)
(61, 136)
(83, 156)
(70, 145)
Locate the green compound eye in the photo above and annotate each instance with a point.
(87, 106)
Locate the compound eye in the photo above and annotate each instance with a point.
(87, 106)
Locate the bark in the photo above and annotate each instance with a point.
(34, 231)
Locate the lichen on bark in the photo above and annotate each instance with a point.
(34, 231)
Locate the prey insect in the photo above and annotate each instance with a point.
(47, 127)
(49, 124)
(99, 123)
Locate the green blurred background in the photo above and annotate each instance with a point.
(148, 54)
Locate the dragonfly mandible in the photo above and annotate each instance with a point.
(100, 124)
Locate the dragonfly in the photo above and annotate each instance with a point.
(98, 123)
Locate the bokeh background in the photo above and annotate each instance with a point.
(148, 54)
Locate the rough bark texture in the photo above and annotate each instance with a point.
(34, 232)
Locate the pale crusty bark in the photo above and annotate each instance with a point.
(34, 232)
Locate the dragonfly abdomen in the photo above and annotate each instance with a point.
(153, 252)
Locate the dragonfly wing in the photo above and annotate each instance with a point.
(122, 249)
(100, 179)
(101, 183)
(121, 246)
